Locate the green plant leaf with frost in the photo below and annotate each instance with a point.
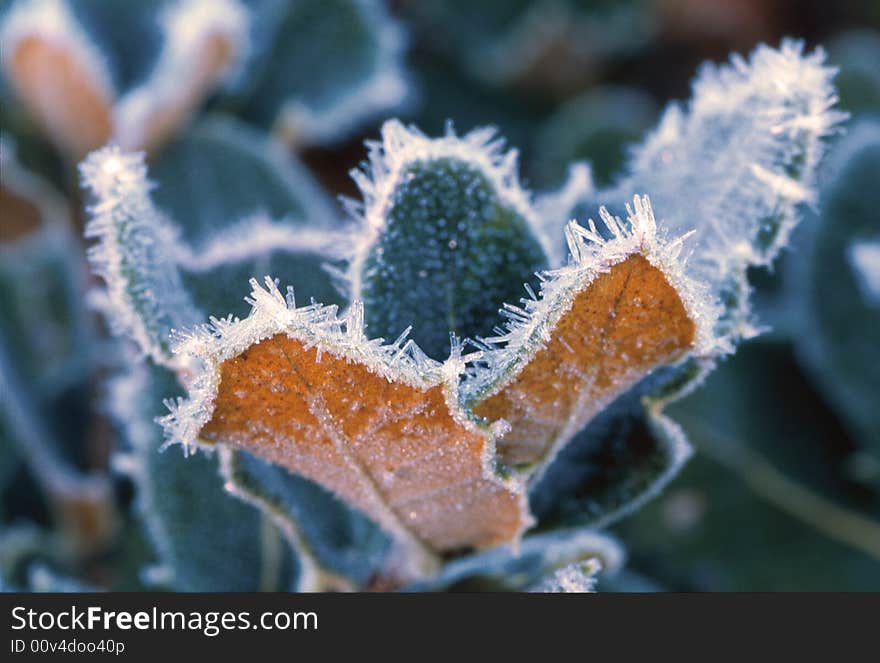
(447, 235)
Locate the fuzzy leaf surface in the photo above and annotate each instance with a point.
(448, 236)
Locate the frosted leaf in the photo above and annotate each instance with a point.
(837, 281)
(337, 547)
(623, 458)
(144, 298)
(864, 257)
(46, 332)
(551, 46)
(254, 235)
(170, 272)
(45, 352)
(245, 207)
(222, 171)
(620, 309)
(377, 424)
(435, 207)
(209, 249)
(80, 504)
(735, 163)
(58, 73)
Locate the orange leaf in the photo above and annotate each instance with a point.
(619, 311)
(62, 77)
(60, 89)
(378, 425)
(625, 323)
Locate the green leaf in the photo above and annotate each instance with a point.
(228, 206)
(621, 460)
(45, 365)
(767, 503)
(448, 236)
(596, 126)
(134, 254)
(46, 336)
(554, 46)
(856, 52)
(127, 32)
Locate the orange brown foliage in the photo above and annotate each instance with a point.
(58, 90)
(390, 449)
(625, 323)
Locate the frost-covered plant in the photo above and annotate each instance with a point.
(448, 453)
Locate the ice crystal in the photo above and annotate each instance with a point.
(576, 578)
